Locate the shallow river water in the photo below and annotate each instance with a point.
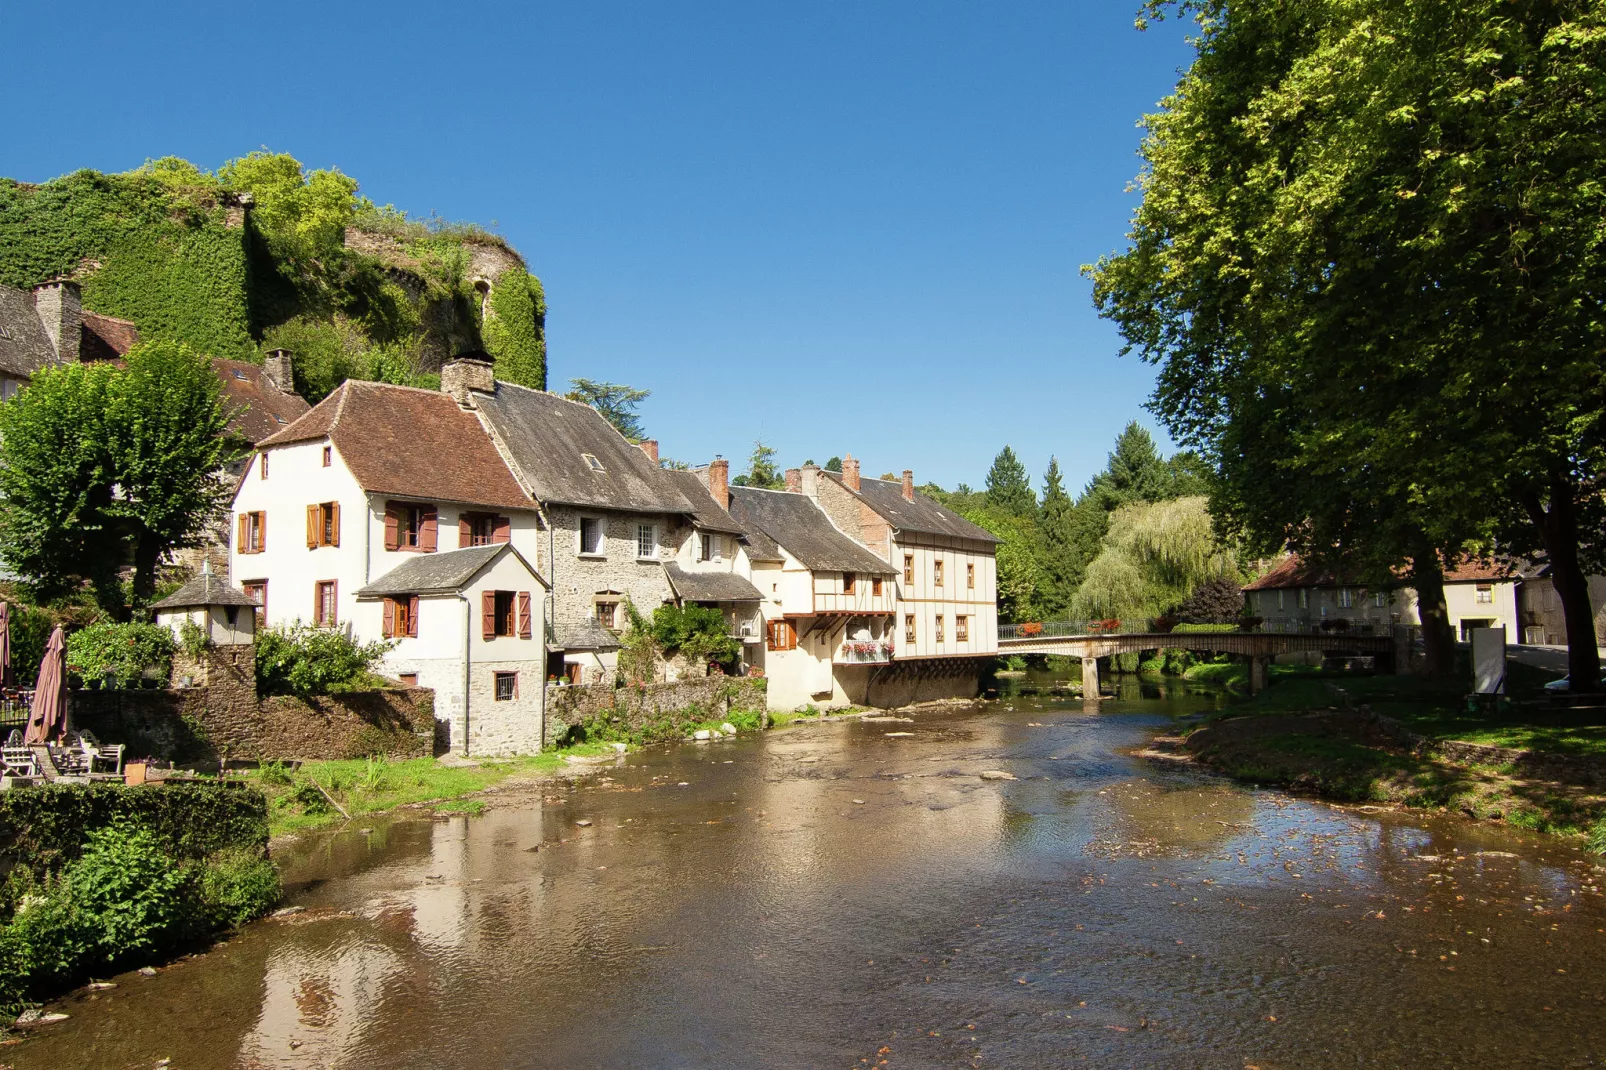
(854, 894)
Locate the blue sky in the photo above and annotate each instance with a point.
(841, 227)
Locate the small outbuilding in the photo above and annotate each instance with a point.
(226, 613)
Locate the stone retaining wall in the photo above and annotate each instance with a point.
(206, 725)
(641, 708)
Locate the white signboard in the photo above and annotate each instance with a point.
(1489, 660)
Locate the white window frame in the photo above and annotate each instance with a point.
(647, 534)
(1304, 598)
(1483, 594)
(707, 546)
(1380, 599)
(1346, 598)
(580, 537)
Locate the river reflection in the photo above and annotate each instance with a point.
(843, 894)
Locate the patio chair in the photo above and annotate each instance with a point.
(18, 761)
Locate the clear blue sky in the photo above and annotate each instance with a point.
(841, 227)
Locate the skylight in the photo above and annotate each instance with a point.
(596, 465)
(238, 374)
(276, 416)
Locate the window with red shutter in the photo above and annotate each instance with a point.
(388, 627)
(524, 615)
(428, 519)
(501, 529)
(488, 614)
(393, 525)
(412, 617)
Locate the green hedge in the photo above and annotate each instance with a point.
(44, 828)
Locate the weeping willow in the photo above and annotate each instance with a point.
(1153, 556)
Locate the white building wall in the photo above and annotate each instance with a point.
(926, 600)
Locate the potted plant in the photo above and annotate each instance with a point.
(1031, 628)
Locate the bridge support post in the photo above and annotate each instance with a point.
(1090, 678)
(1257, 674)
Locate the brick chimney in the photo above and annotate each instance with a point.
(719, 482)
(278, 369)
(649, 446)
(794, 480)
(472, 371)
(850, 473)
(808, 481)
(61, 308)
(909, 484)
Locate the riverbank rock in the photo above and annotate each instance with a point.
(728, 728)
(703, 735)
(997, 774)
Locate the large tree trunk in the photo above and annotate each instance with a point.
(147, 556)
(1558, 528)
(1438, 638)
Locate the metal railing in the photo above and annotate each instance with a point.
(1088, 629)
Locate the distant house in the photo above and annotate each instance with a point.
(1476, 594)
(1539, 608)
(47, 327)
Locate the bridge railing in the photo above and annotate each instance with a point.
(1081, 629)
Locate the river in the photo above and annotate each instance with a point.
(855, 894)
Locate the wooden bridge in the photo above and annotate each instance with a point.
(1091, 640)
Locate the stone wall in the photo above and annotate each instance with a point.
(576, 580)
(205, 725)
(924, 680)
(655, 709)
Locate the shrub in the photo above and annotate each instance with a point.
(125, 652)
(303, 660)
(238, 885)
(697, 633)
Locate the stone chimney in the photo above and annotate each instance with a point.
(649, 446)
(60, 307)
(471, 371)
(850, 473)
(808, 480)
(794, 480)
(719, 482)
(909, 484)
(278, 369)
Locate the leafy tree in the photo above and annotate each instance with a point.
(1153, 557)
(1019, 556)
(699, 633)
(834, 465)
(164, 427)
(615, 401)
(1368, 263)
(1062, 564)
(1217, 601)
(1008, 488)
(762, 471)
(314, 207)
(56, 479)
(303, 660)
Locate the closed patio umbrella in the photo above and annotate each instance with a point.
(5, 644)
(49, 715)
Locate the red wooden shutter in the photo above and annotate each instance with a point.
(335, 541)
(427, 517)
(312, 527)
(317, 603)
(262, 532)
(392, 527)
(389, 629)
(465, 531)
(524, 615)
(488, 614)
(240, 544)
(502, 530)
(412, 616)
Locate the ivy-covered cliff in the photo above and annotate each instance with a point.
(263, 254)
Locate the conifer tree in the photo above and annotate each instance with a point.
(1008, 487)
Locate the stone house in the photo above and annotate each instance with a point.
(377, 477)
(48, 326)
(828, 602)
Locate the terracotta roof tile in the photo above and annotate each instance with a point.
(411, 443)
(106, 337)
(262, 409)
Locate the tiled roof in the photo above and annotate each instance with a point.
(707, 514)
(1293, 572)
(449, 570)
(586, 635)
(106, 337)
(25, 348)
(205, 589)
(710, 586)
(550, 440)
(799, 525)
(260, 408)
(411, 443)
(922, 515)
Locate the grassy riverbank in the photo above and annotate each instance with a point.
(1311, 732)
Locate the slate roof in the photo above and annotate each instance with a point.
(438, 573)
(921, 515)
(1294, 573)
(409, 442)
(794, 521)
(547, 438)
(587, 635)
(105, 337)
(205, 590)
(260, 408)
(710, 586)
(25, 348)
(705, 511)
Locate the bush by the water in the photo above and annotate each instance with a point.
(303, 660)
(124, 652)
(123, 901)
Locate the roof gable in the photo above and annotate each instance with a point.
(258, 407)
(25, 348)
(443, 572)
(566, 453)
(921, 515)
(411, 443)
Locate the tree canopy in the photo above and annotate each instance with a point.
(762, 471)
(615, 401)
(1008, 488)
(1368, 262)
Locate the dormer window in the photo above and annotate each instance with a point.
(592, 462)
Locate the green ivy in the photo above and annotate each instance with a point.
(515, 332)
(127, 652)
